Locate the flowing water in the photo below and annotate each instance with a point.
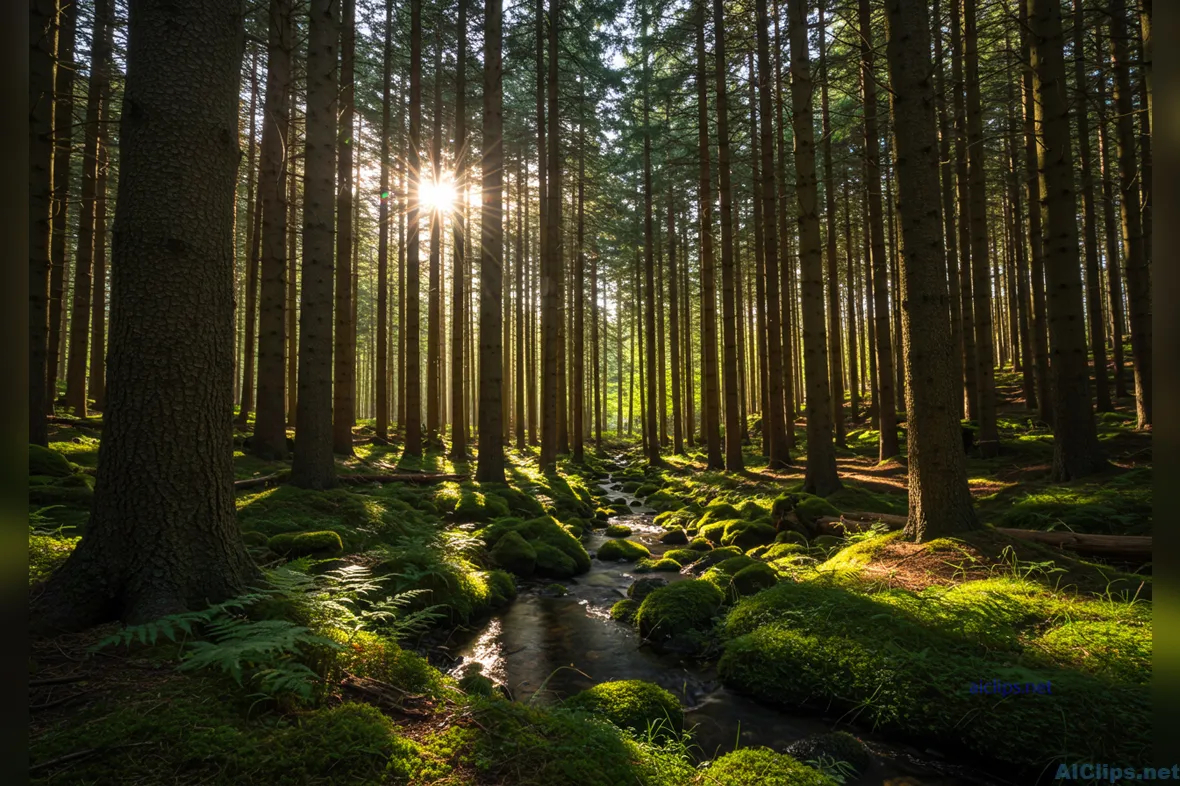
(555, 646)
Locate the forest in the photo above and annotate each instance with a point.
(590, 392)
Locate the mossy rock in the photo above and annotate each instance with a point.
(502, 587)
(757, 766)
(715, 531)
(718, 555)
(601, 515)
(631, 486)
(827, 542)
(751, 510)
(636, 503)
(515, 554)
(757, 552)
(634, 705)
(626, 550)
(809, 508)
(747, 534)
(641, 588)
(46, 461)
(302, 544)
(658, 565)
(683, 606)
(556, 591)
(254, 539)
(790, 536)
(475, 506)
(617, 531)
(549, 539)
(646, 490)
(682, 556)
(674, 537)
(669, 519)
(554, 563)
(837, 746)
(624, 610)
(60, 494)
(477, 685)
(700, 544)
(780, 550)
(717, 511)
(754, 578)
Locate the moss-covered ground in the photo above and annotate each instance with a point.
(887, 634)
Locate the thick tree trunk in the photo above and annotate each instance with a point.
(551, 249)
(344, 337)
(939, 498)
(651, 424)
(162, 536)
(313, 466)
(270, 434)
(821, 477)
(1138, 279)
(884, 397)
(1075, 439)
(729, 318)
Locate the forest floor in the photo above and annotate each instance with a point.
(316, 683)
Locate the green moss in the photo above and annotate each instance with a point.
(633, 705)
(659, 565)
(627, 550)
(477, 684)
(559, 554)
(299, 544)
(747, 534)
(682, 556)
(555, 563)
(719, 555)
(757, 766)
(905, 661)
(714, 531)
(618, 531)
(751, 510)
(680, 607)
(514, 554)
(809, 508)
(601, 515)
(48, 462)
(252, 538)
(624, 610)
(700, 544)
(717, 511)
(647, 489)
(674, 537)
(502, 587)
(46, 554)
(57, 493)
(780, 550)
(754, 578)
(790, 536)
(832, 747)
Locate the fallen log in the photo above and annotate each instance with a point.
(76, 422)
(1124, 547)
(354, 480)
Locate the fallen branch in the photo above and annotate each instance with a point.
(56, 680)
(265, 480)
(1127, 547)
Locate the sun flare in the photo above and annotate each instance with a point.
(437, 195)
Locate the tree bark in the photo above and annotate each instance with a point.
(412, 323)
(963, 264)
(490, 468)
(63, 129)
(786, 323)
(884, 398)
(1138, 280)
(42, 75)
(674, 334)
(835, 354)
(550, 248)
(459, 296)
(383, 220)
(1112, 251)
(939, 498)
(344, 336)
(162, 537)
(651, 424)
(820, 477)
(313, 466)
(270, 433)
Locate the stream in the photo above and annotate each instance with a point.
(556, 646)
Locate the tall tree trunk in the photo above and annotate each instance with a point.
(950, 232)
(433, 290)
(313, 466)
(733, 427)
(1028, 384)
(787, 261)
(162, 536)
(459, 296)
(850, 282)
(252, 251)
(884, 398)
(579, 294)
(710, 404)
(525, 385)
(412, 321)
(821, 477)
(981, 286)
(490, 468)
(1075, 439)
(550, 248)
(1112, 251)
(674, 317)
(1039, 342)
(76, 359)
(383, 219)
(270, 434)
(773, 425)
(1138, 283)
(292, 273)
(939, 498)
(758, 362)
(344, 375)
(650, 422)
(1089, 215)
(963, 264)
(98, 311)
(63, 130)
(835, 354)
